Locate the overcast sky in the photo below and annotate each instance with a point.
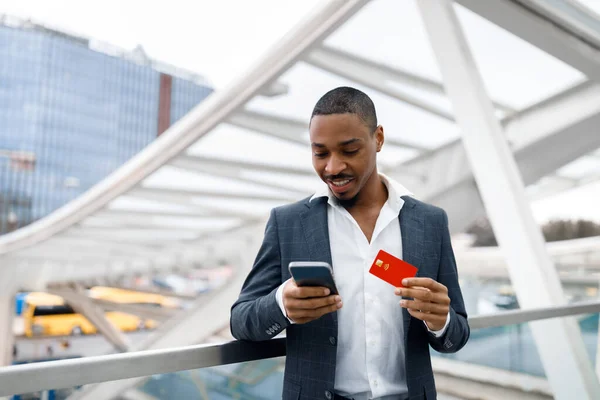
(220, 39)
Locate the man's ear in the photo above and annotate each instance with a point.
(379, 137)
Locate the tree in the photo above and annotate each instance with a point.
(553, 231)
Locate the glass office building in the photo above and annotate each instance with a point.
(72, 110)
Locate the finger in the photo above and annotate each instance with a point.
(420, 288)
(314, 303)
(309, 315)
(424, 295)
(426, 283)
(425, 307)
(319, 312)
(305, 292)
(299, 321)
(433, 319)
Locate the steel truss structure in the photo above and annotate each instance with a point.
(512, 86)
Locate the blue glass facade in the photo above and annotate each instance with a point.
(184, 96)
(70, 115)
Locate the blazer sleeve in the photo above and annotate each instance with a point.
(458, 331)
(256, 315)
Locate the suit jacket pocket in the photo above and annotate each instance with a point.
(291, 390)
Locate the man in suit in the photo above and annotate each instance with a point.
(372, 340)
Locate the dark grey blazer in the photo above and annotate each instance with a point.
(299, 232)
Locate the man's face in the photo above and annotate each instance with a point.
(344, 152)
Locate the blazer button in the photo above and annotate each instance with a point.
(328, 395)
(332, 340)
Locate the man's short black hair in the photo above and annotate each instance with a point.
(347, 100)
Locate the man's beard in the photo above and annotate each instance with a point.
(348, 203)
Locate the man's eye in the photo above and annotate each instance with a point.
(320, 155)
(351, 152)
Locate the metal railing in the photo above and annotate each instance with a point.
(81, 371)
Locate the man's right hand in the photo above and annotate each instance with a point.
(305, 304)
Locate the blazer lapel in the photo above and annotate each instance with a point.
(412, 229)
(316, 233)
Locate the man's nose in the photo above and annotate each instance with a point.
(334, 166)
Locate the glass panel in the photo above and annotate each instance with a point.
(515, 72)
(509, 347)
(54, 394)
(256, 380)
(389, 32)
(581, 14)
(512, 347)
(593, 7)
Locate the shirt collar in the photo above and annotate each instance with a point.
(395, 193)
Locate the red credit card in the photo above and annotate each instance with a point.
(392, 269)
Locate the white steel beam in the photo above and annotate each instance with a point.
(157, 238)
(66, 257)
(216, 210)
(532, 23)
(373, 75)
(108, 225)
(532, 272)
(181, 255)
(155, 313)
(81, 241)
(152, 291)
(234, 170)
(120, 212)
(275, 89)
(152, 221)
(578, 17)
(79, 247)
(187, 194)
(378, 76)
(83, 305)
(74, 239)
(290, 130)
(216, 109)
(8, 290)
(560, 185)
(275, 126)
(562, 128)
(142, 236)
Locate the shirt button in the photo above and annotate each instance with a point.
(328, 395)
(332, 340)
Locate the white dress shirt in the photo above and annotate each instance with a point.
(370, 351)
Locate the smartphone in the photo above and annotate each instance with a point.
(313, 273)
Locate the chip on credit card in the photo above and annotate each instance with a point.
(392, 269)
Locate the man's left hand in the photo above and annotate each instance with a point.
(431, 302)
